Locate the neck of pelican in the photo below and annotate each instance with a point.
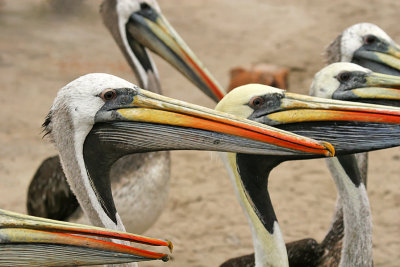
(270, 249)
(357, 243)
(148, 78)
(69, 138)
(73, 164)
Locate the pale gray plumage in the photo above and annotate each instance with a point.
(357, 221)
(332, 52)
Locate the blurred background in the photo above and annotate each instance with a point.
(44, 44)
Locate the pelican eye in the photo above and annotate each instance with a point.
(344, 76)
(147, 11)
(144, 6)
(256, 102)
(370, 39)
(108, 95)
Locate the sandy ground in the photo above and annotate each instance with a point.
(41, 51)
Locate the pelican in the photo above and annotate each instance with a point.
(140, 182)
(32, 241)
(351, 82)
(288, 111)
(99, 118)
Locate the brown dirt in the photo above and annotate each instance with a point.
(40, 51)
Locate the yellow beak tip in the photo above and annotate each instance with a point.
(330, 150)
(170, 246)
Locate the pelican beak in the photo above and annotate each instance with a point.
(149, 28)
(37, 241)
(163, 123)
(351, 127)
(377, 89)
(385, 58)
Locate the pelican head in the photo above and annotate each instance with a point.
(98, 118)
(33, 241)
(344, 124)
(139, 24)
(348, 81)
(367, 45)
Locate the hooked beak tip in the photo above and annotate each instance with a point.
(170, 245)
(330, 150)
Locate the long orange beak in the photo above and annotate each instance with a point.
(173, 124)
(152, 30)
(43, 242)
(350, 127)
